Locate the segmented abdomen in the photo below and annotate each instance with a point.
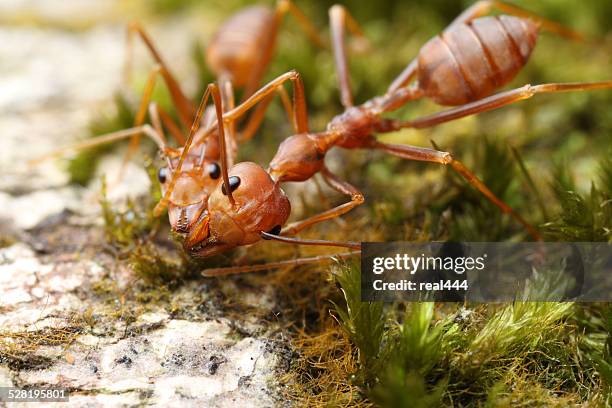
(470, 61)
(239, 43)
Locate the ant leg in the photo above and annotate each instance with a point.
(139, 118)
(155, 120)
(343, 187)
(107, 138)
(297, 109)
(497, 101)
(484, 7)
(184, 106)
(228, 103)
(284, 6)
(160, 117)
(405, 77)
(256, 119)
(231, 270)
(169, 123)
(300, 115)
(286, 101)
(216, 95)
(338, 20)
(435, 156)
(161, 205)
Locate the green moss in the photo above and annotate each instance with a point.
(595, 322)
(7, 241)
(363, 322)
(402, 388)
(583, 217)
(104, 287)
(171, 6)
(18, 349)
(125, 228)
(413, 353)
(418, 345)
(149, 265)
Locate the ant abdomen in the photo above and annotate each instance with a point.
(237, 46)
(469, 61)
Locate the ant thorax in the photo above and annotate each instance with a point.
(355, 126)
(299, 157)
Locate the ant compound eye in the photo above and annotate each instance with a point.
(162, 175)
(274, 231)
(234, 182)
(214, 171)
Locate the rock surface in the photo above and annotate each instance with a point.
(70, 314)
(154, 358)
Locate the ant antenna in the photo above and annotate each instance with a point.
(222, 146)
(194, 127)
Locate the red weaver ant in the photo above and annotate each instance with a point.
(239, 53)
(462, 66)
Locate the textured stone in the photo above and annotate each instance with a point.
(170, 361)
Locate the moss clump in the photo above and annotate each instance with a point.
(7, 241)
(603, 359)
(319, 376)
(363, 322)
(132, 230)
(18, 349)
(411, 354)
(123, 228)
(595, 344)
(532, 353)
(149, 265)
(421, 355)
(583, 217)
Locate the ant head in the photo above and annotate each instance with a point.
(259, 206)
(298, 158)
(188, 199)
